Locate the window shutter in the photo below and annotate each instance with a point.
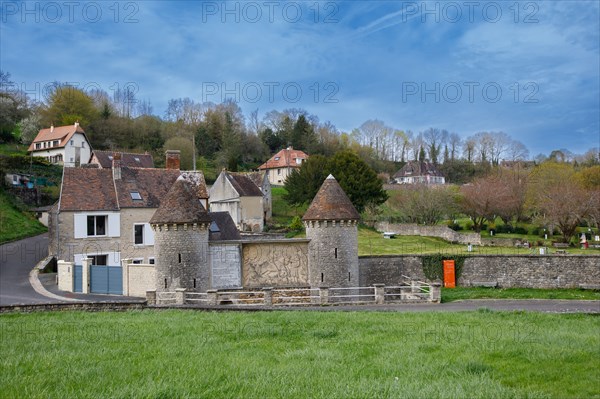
(114, 225)
(80, 225)
(148, 234)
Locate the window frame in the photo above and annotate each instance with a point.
(143, 236)
(95, 225)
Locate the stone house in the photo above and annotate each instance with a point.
(282, 164)
(104, 213)
(104, 159)
(419, 172)
(64, 145)
(261, 179)
(240, 196)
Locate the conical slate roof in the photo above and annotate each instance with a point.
(181, 205)
(331, 203)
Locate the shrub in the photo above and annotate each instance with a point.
(296, 224)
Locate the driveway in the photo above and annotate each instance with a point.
(16, 261)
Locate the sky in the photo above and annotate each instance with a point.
(530, 69)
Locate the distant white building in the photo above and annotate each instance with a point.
(63, 145)
(419, 172)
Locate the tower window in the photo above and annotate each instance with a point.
(321, 277)
(179, 258)
(348, 276)
(194, 283)
(165, 284)
(336, 253)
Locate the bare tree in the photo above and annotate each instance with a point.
(517, 151)
(454, 143)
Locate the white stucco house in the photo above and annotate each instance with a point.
(63, 145)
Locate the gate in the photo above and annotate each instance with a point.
(77, 277)
(106, 280)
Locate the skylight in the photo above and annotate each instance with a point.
(135, 195)
(136, 159)
(110, 157)
(277, 158)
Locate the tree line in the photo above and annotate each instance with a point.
(220, 135)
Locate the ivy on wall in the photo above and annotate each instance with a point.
(433, 265)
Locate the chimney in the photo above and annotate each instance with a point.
(173, 159)
(51, 128)
(76, 125)
(116, 166)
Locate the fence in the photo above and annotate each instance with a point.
(378, 294)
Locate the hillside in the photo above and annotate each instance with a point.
(15, 221)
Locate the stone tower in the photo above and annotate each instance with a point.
(180, 227)
(331, 225)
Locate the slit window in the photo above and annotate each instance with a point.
(194, 283)
(321, 277)
(179, 258)
(336, 253)
(165, 283)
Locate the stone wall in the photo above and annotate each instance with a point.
(506, 271)
(275, 263)
(333, 253)
(182, 257)
(430, 231)
(138, 278)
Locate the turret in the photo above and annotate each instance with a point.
(331, 225)
(180, 227)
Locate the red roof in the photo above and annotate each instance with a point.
(285, 158)
(61, 133)
(105, 158)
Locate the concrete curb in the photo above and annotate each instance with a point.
(39, 287)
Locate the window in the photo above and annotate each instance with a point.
(137, 261)
(99, 260)
(278, 171)
(38, 146)
(96, 225)
(138, 234)
(136, 159)
(55, 143)
(83, 144)
(298, 161)
(151, 261)
(72, 142)
(277, 158)
(110, 157)
(135, 195)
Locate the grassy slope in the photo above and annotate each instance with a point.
(299, 355)
(15, 224)
(283, 213)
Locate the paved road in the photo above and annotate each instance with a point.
(16, 261)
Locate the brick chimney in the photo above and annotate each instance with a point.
(76, 125)
(51, 128)
(173, 159)
(116, 166)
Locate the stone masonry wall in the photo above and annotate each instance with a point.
(182, 258)
(430, 231)
(507, 271)
(333, 254)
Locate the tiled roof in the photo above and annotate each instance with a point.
(225, 227)
(93, 189)
(197, 178)
(62, 133)
(88, 190)
(181, 205)
(257, 177)
(284, 158)
(331, 203)
(131, 160)
(418, 168)
(151, 184)
(243, 185)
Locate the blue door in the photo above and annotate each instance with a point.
(77, 277)
(106, 280)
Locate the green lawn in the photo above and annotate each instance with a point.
(453, 294)
(164, 354)
(14, 223)
(13, 149)
(283, 213)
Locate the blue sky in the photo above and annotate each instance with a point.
(530, 69)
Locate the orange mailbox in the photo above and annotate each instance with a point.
(449, 277)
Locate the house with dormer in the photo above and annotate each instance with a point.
(63, 145)
(419, 172)
(282, 164)
(104, 213)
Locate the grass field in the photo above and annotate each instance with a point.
(283, 213)
(454, 294)
(15, 224)
(163, 354)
